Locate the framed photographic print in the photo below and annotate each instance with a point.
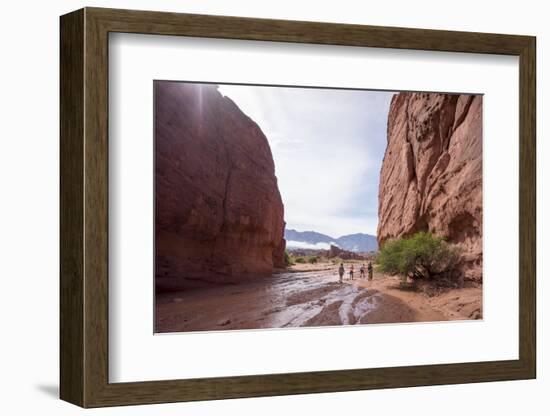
(255, 207)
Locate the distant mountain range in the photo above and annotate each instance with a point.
(358, 243)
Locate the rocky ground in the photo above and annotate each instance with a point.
(310, 295)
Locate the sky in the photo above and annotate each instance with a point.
(328, 146)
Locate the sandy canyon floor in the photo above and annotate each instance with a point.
(310, 295)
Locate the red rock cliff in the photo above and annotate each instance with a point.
(431, 177)
(219, 214)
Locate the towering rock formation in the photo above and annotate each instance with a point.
(219, 214)
(431, 177)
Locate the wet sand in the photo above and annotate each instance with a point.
(309, 295)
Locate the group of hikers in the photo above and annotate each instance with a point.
(342, 270)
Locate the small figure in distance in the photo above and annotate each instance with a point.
(369, 268)
(362, 271)
(351, 272)
(341, 271)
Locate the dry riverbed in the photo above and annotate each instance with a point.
(310, 295)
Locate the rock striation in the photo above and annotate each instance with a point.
(218, 210)
(431, 176)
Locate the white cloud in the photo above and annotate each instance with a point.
(328, 147)
(303, 244)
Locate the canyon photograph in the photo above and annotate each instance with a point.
(286, 207)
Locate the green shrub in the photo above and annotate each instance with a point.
(313, 259)
(422, 255)
(288, 259)
(299, 260)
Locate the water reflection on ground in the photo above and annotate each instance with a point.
(296, 299)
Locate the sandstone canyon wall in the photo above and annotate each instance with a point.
(218, 210)
(431, 177)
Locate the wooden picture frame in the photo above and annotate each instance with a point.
(84, 207)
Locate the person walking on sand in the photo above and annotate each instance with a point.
(341, 271)
(369, 268)
(351, 272)
(362, 271)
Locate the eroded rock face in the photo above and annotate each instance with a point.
(335, 251)
(219, 213)
(431, 177)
